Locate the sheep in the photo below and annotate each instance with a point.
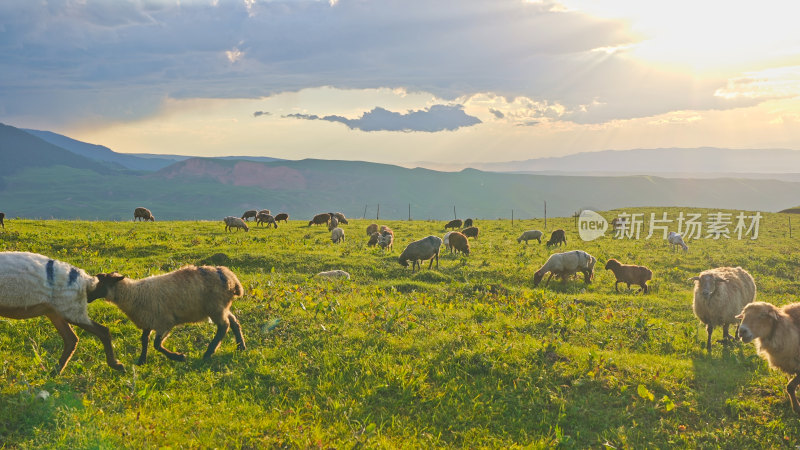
(470, 232)
(373, 239)
(337, 234)
(320, 219)
(719, 295)
(386, 241)
(529, 236)
(467, 223)
(267, 219)
(676, 240)
(372, 228)
(232, 222)
(2, 216)
(421, 250)
(33, 285)
(386, 230)
(282, 217)
(776, 332)
(446, 240)
(334, 222)
(565, 265)
(557, 238)
(250, 213)
(629, 274)
(333, 274)
(458, 243)
(455, 223)
(189, 294)
(341, 218)
(263, 211)
(143, 214)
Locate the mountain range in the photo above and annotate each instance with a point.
(45, 175)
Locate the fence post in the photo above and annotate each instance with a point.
(545, 214)
(378, 214)
(365, 212)
(512, 218)
(454, 212)
(409, 212)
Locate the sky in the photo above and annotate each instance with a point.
(403, 81)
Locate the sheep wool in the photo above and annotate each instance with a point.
(719, 295)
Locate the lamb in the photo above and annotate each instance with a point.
(676, 240)
(341, 218)
(282, 217)
(565, 265)
(232, 222)
(719, 295)
(557, 238)
(3, 216)
(320, 219)
(468, 223)
(333, 223)
(629, 274)
(529, 236)
(455, 223)
(373, 239)
(267, 219)
(458, 243)
(386, 230)
(470, 232)
(372, 228)
(777, 338)
(386, 241)
(337, 234)
(421, 250)
(250, 213)
(143, 214)
(333, 274)
(189, 294)
(33, 285)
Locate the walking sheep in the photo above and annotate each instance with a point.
(250, 213)
(529, 236)
(455, 223)
(235, 222)
(33, 285)
(557, 238)
(566, 264)
(282, 217)
(143, 214)
(320, 219)
(629, 274)
(189, 294)
(676, 240)
(421, 250)
(337, 234)
(458, 243)
(776, 332)
(719, 295)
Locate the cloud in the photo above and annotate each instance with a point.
(432, 119)
(496, 113)
(261, 113)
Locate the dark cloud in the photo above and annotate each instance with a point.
(433, 119)
(261, 113)
(498, 114)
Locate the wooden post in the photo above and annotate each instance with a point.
(454, 212)
(409, 212)
(365, 212)
(378, 215)
(512, 218)
(545, 214)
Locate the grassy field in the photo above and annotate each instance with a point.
(469, 355)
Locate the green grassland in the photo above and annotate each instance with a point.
(469, 355)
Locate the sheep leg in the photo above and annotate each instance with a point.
(644, 287)
(549, 275)
(104, 335)
(237, 331)
(790, 389)
(69, 338)
(157, 344)
(222, 330)
(616, 286)
(726, 337)
(710, 329)
(145, 344)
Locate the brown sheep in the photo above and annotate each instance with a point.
(777, 338)
(267, 219)
(557, 238)
(2, 216)
(250, 213)
(264, 211)
(629, 274)
(282, 217)
(341, 218)
(456, 223)
(143, 214)
(459, 243)
(373, 239)
(320, 219)
(372, 228)
(467, 223)
(470, 232)
(386, 230)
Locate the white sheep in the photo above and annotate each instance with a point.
(676, 240)
(33, 285)
(337, 234)
(566, 264)
(719, 295)
(529, 236)
(334, 274)
(421, 250)
(446, 240)
(232, 222)
(777, 338)
(189, 294)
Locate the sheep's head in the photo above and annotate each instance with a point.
(105, 281)
(612, 264)
(537, 277)
(758, 321)
(403, 261)
(707, 283)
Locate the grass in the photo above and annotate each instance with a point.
(470, 355)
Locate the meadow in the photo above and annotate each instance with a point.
(469, 355)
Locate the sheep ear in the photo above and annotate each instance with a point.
(773, 314)
(720, 279)
(694, 279)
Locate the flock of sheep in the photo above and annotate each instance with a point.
(34, 285)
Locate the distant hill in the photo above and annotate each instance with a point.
(795, 210)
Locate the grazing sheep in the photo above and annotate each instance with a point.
(446, 240)
(421, 250)
(189, 294)
(320, 219)
(334, 274)
(557, 238)
(33, 285)
(341, 218)
(232, 222)
(629, 274)
(529, 236)
(263, 211)
(468, 223)
(386, 230)
(143, 214)
(250, 213)
(372, 228)
(282, 217)
(267, 219)
(333, 223)
(566, 264)
(719, 295)
(2, 216)
(470, 232)
(386, 241)
(777, 339)
(373, 239)
(455, 223)
(676, 240)
(458, 243)
(337, 234)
